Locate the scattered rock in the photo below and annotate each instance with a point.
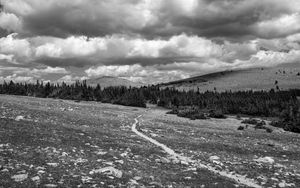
(20, 177)
(101, 153)
(52, 164)
(36, 178)
(108, 170)
(18, 118)
(41, 172)
(156, 184)
(269, 160)
(164, 160)
(151, 178)
(137, 178)
(133, 182)
(184, 162)
(50, 185)
(153, 135)
(86, 179)
(119, 161)
(4, 170)
(108, 163)
(175, 161)
(282, 184)
(214, 158)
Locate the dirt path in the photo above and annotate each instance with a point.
(238, 178)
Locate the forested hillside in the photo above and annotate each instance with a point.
(282, 104)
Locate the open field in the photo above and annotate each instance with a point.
(58, 143)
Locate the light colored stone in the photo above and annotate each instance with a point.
(184, 162)
(52, 164)
(164, 160)
(269, 160)
(35, 178)
(50, 185)
(282, 184)
(18, 118)
(214, 158)
(137, 178)
(108, 170)
(20, 177)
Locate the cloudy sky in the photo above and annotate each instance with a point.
(144, 40)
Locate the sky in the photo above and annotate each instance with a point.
(147, 41)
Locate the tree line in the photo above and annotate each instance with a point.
(193, 104)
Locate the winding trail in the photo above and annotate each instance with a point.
(238, 178)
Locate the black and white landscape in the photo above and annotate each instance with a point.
(141, 93)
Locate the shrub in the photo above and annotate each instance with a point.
(240, 128)
(173, 111)
(250, 121)
(217, 114)
(287, 125)
(200, 116)
(192, 118)
(269, 130)
(259, 126)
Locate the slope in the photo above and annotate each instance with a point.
(106, 81)
(285, 76)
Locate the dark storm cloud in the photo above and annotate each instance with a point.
(66, 62)
(230, 18)
(208, 18)
(90, 18)
(146, 61)
(143, 61)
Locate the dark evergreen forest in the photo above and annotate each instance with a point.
(192, 104)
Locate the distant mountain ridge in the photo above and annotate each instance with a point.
(106, 81)
(287, 76)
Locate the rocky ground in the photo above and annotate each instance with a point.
(57, 143)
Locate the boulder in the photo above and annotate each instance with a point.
(108, 170)
(268, 160)
(20, 177)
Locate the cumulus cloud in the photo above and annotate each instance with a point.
(50, 70)
(10, 22)
(16, 78)
(71, 78)
(15, 48)
(269, 58)
(118, 71)
(157, 73)
(145, 40)
(284, 25)
(108, 49)
(22, 74)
